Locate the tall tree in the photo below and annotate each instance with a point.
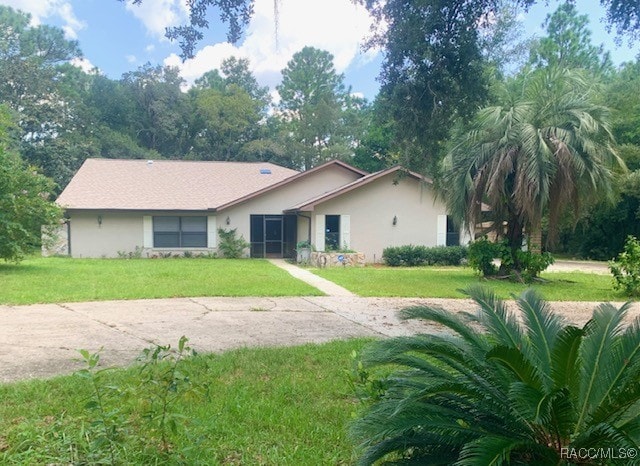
(568, 43)
(623, 96)
(236, 13)
(602, 231)
(24, 198)
(33, 62)
(433, 71)
(546, 149)
(313, 100)
(229, 120)
(161, 108)
(236, 71)
(501, 40)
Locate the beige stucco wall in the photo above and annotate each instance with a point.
(372, 207)
(278, 200)
(118, 232)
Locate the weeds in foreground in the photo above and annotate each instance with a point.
(164, 385)
(164, 380)
(106, 429)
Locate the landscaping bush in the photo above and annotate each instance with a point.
(230, 245)
(411, 256)
(532, 264)
(482, 252)
(626, 269)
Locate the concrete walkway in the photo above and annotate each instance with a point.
(327, 287)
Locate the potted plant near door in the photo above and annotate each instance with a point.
(303, 250)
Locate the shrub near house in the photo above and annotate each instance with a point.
(411, 256)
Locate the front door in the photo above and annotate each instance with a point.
(273, 236)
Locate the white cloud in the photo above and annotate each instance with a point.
(85, 65)
(131, 58)
(337, 26)
(209, 58)
(157, 15)
(72, 24)
(40, 9)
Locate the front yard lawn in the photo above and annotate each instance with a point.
(444, 282)
(59, 280)
(270, 406)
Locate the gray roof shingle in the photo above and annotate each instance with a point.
(166, 184)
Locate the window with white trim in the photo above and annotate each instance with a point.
(179, 232)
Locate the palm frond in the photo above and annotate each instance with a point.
(501, 324)
(623, 375)
(448, 320)
(495, 451)
(600, 336)
(604, 436)
(515, 395)
(523, 369)
(564, 357)
(543, 328)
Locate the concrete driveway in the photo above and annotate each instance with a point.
(598, 267)
(43, 340)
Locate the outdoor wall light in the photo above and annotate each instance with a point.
(395, 221)
(99, 220)
(228, 221)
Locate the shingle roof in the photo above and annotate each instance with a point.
(166, 184)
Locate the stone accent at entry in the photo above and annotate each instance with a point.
(337, 259)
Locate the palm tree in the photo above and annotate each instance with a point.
(498, 390)
(548, 147)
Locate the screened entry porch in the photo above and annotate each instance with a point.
(273, 236)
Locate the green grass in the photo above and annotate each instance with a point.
(277, 406)
(444, 282)
(54, 279)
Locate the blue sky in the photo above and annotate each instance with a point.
(118, 37)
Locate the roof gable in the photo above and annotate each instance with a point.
(297, 177)
(365, 180)
(166, 184)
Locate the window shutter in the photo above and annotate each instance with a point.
(345, 232)
(320, 232)
(147, 231)
(441, 236)
(212, 232)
